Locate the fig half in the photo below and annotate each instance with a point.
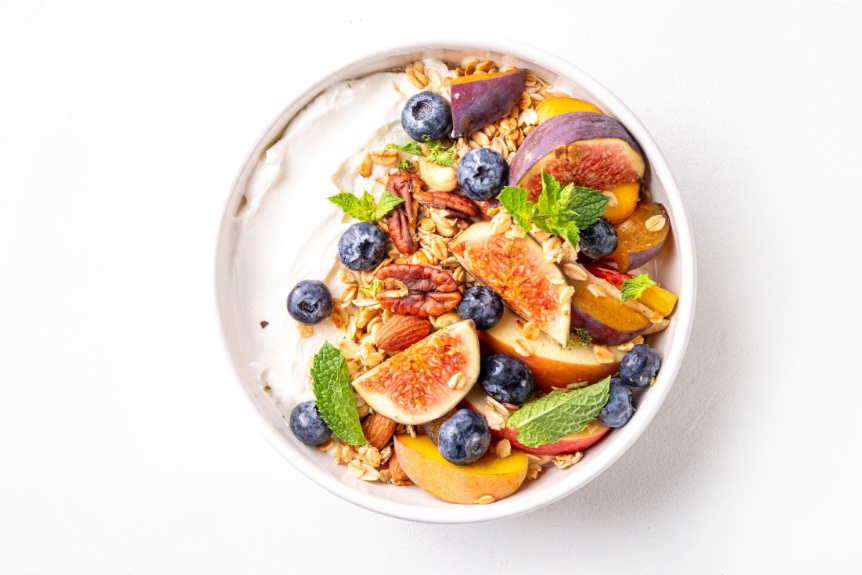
(515, 269)
(416, 386)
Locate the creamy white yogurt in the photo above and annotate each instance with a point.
(288, 231)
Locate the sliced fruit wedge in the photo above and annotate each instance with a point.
(417, 385)
(594, 431)
(556, 106)
(584, 148)
(553, 365)
(515, 268)
(481, 99)
(608, 321)
(656, 298)
(465, 484)
(641, 236)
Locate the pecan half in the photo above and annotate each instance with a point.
(485, 206)
(404, 184)
(447, 200)
(420, 290)
(399, 229)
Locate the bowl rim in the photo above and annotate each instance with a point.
(683, 316)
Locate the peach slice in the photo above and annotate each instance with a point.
(627, 200)
(584, 148)
(656, 298)
(641, 236)
(425, 467)
(552, 365)
(608, 321)
(556, 106)
(594, 431)
(481, 99)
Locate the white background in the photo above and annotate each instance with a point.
(122, 446)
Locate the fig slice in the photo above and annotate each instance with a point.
(413, 387)
(481, 99)
(584, 148)
(515, 268)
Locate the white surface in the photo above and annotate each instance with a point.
(676, 261)
(122, 449)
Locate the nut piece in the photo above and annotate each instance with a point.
(398, 475)
(437, 177)
(378, 430)
(385, 157)
(603, 354)
(399, 229)
(457, 382)
(596, 290)
(402, 331)
(426, 290)
(503, 449)
(567, 294)
(304, 330)
(365, 166)
(575, 272)
(567, 460)
(655, 223)
(523, 348)
(501, 223)
(528, 329)
(464, 208)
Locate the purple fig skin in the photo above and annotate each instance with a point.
(481, 102)
(637, 259)
(565, 129)
(600, 333)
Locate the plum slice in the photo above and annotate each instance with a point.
(603, 317)
(641, 236)
(515, 269)
(656, 298)
(413, 387)
(626, 196)
(556, 106)
(584, 148)
(481, 99)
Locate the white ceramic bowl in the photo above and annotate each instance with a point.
(676, 269)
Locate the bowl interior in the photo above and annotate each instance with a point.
(675, 269)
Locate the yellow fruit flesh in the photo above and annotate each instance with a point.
(556, 106)
(489, 464)
(658, 299)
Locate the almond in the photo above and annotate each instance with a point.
(402, 331)
(396, 470)
(378, 430)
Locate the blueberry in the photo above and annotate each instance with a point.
(464, 437)
(427, 115)
(309, 302)
(482, 306)
(307, 425)
(598, 240)
(506, 378)
(482, 174)
(619, 409)
(362, 247)
(640, 366)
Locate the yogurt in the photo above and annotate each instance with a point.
(287, 231)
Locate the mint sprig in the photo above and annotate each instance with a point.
(560, 413)
(363, 207)
(634, 288)
(561, 211)
(438, 154)
(334, 395)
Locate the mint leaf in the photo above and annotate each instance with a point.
(385, 205)
(439, 155)
(411, 148)
(348, 203)
(560, 413)
(561, 211)
(515, 202)
(375, 287)
(634, 288)
(334, 395)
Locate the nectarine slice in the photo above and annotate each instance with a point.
(552, 365)
(608, 321)
(626, 201)
(491, 475)
(656, 298)
(641, 236)
(556, 106)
